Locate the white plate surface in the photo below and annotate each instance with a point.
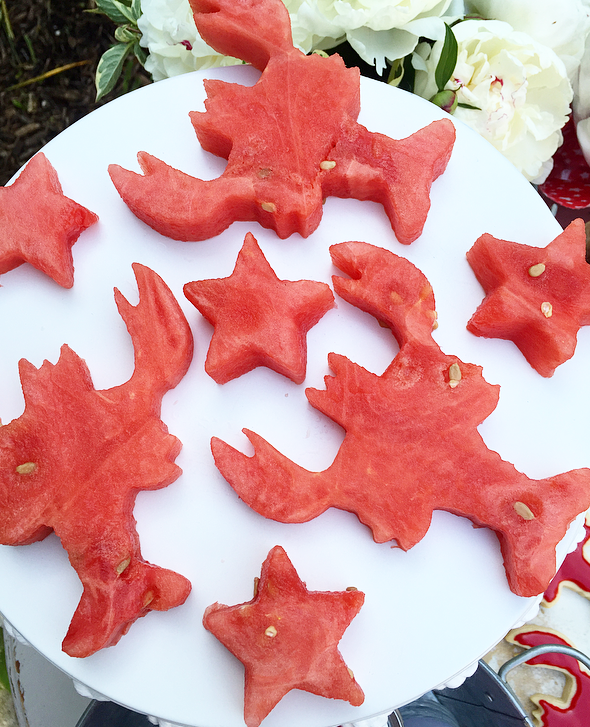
(429, 613)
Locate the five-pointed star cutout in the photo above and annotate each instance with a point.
(287, 638)
(536, 297)
(39, 224)
(259, 320)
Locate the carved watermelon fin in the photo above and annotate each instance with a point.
(395, 173)
(252, 30)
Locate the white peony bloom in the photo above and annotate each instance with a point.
(376, 29)
(519, 87)
(562, 26)
(170, 35)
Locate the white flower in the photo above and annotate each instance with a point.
(562, 26)
(170, 35)
(519, 87)
(376, 29)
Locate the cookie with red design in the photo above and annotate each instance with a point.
(573, 707)
(39, 224)
(574, 572)
(538, 298)
(287, 638)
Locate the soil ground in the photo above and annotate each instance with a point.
(37, 37)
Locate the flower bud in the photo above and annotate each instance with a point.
(447, 100)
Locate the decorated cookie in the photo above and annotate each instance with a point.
(573, 707)
(574, 572)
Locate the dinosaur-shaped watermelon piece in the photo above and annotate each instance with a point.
(290, 141)
(412, 444)
(76, 458)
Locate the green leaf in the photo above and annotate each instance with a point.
(447, 61)
(4, 681)
(125, 10)
(140, 53)
(136, 8)
(468, 106)
(109, 68)
(110, 9)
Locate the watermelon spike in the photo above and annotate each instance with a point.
(252, 30)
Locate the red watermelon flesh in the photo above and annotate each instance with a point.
(290, 140)
(39, 224)
(258, 319)
(75, 460)
(412, 444)
(536, 297)
(287, 638)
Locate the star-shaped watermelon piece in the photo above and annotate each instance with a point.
(573, 707)
(538, 298)
(258, 319)
(287, 638)
(39, 224)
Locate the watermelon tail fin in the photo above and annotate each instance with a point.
(270, 483)
(252, 30)
(161, 335)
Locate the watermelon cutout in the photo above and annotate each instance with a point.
(39, 224)
(573, 708)
(412, 444)
(574, 572)
(290, 141)
(75, 460)
(287, 638)
(258, 319)
(536, 297)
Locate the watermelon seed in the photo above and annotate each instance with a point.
(536, 270)
(454, 375)
(327, 164)
(547, 309)
(269, 206)
(351, 588)
(122, 565)
(148, 598)
(271, 632)
(524, 511)
(27, 468)
(256, 582)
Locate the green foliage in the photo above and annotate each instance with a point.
(4, 682)
(125, 13)
(447, 61)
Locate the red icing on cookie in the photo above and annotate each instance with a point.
(574, 709)
(574, 573)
